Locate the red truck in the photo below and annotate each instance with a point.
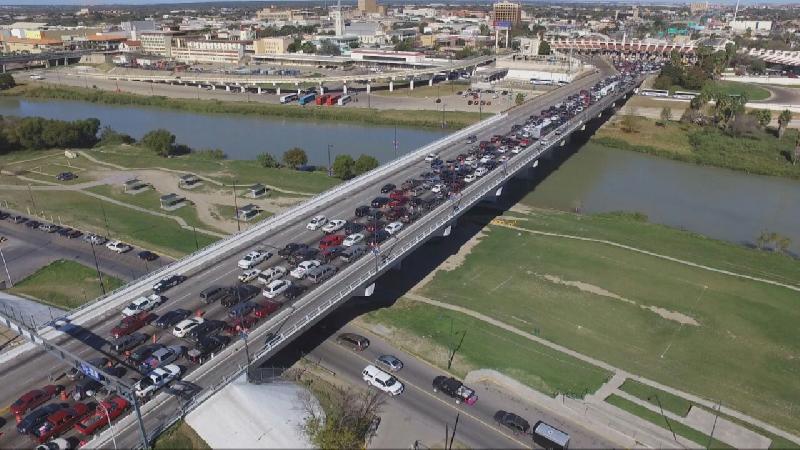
(110, 408)
(331, 240)
(333, 100)
(320, 100)
(59, 422)
(31, 399)
(266, 308)
(130, 324)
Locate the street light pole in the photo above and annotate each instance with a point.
(330, 167)
(236, 207)
(111, 425)
(10, 283)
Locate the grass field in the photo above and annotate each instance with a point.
(159, 234)
(180, 437)
(710, 334)
(225, 171)
(657, 419)
(150, 200)
(670, 402)
(761, 153)
(431, 333)
(64, 284)
(751, 91)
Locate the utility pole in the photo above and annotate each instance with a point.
(330, 167)
(395, 142)
(196, 245)
(97, 267)
(669, 425)
(453, 435)
(105, 218)
(236, 207)
(10, 283)
(30, 192)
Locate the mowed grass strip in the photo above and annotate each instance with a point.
(657, 419)
(485, 346)
(710, 334)
(670, 402)
(76, 209)
(65, 284)
(634, 230)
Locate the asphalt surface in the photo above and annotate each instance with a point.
(91, 341)
(421, 414)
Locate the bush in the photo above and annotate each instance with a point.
(38, 133)
(160, 141)
(364, 164)
(109, 136)
(210, 153)
(6, 81)
(267, 160)
(295, 157)
(343, 167)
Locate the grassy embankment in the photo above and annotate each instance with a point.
(410, 118)
(657, 419)
(679, 325)
(180, 437)
(751, 91)
(64, 284)
(762, 153)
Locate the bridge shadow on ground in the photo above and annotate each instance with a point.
(397, 282)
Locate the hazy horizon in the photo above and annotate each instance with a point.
(90, 3)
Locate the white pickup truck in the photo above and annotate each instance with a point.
(156, 379)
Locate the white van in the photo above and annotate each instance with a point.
(382, 380)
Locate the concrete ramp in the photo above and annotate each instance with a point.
(726, 431)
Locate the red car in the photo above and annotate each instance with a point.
(59, 422)
(397, 194)
(130, 324)
(110, 408)
(34, 398)
(331, 240)
(265, 309)
(239, 324)
(398, 202)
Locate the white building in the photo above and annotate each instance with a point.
(755, 26)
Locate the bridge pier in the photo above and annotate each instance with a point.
(430, 82)
(321, 89)
(4, 68)
(213, 87)
(277, 90)
(411, 85)
(227, 88)
(369, 88)
(344, 88)
(447, 230)
(369, 290)
(259, 90)
(391, 86)
(243, 89)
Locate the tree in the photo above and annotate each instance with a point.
(627, 124)
(484, 29)
(763, 116)
(160, 141)
(783, 121)
(544, 48)
(109, 136)
(742, 125)
(308, 48)
(343, 167)
(6, 81)
(666, 114)
(346, 421)
(267, 160)
(520, 98)
(295, 157)
(405, 45)
(328, 47)
(365, 163)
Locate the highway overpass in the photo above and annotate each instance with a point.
(45, 59)
(216, 265)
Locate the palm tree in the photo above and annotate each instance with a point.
(783, 122)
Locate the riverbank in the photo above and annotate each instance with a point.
(761, 153)
(674, 307)
(405, 118)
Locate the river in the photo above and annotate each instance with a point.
(239, 136)
(719, 203)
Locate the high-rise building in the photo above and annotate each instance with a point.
(506, 14)
(368, 6)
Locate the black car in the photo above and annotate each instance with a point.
(388, 187)
(4, 215)
(171, 318)
(375, 214)
(304, 255)
(64, 231)
(206, 346)
(35, 419)
(127, 342)
(352, 228)
(147, 255)
(290, 248)
(140, 354)
(294, 291)
(33, 224)
(66, 176)
(380, 236)
(242, 309)
(72, 234)
(362, 211)
(510, 420)
(379, 202)
(168, 283)
(204, 329)
(241, 293)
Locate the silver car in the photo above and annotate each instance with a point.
(389, 362)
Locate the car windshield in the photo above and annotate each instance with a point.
(132, 306)
(390, 382)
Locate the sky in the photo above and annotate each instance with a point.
(154, 2)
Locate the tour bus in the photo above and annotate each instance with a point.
(654, 92)
(549, 437)
(288, 98)
(308, 98)
(683, 95)
(345, 99)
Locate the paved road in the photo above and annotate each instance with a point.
(91, 341)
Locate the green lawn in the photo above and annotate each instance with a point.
(656, 418)
(670, 402)
(225, 171)
(180, 437)
(430, 333)
(150, 200)
(65, 284)
(713, 335)
(760, 153)
(752, 91)
(159, 234)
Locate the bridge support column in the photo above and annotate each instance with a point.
(369, 88)
(227, 88)
(411, 85)
(213, 87)
(446, 232)
(563, 143)
(47, 64)
(321, 89)
(391, 86)
(535, 164)
(498, 192)
(583, 127)
(278, 90)
(4, 68)
(369, 290)
(344, 88)
(259, 90)
(66, 61)
(430, 82)
(243, 89)
(298, 88)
